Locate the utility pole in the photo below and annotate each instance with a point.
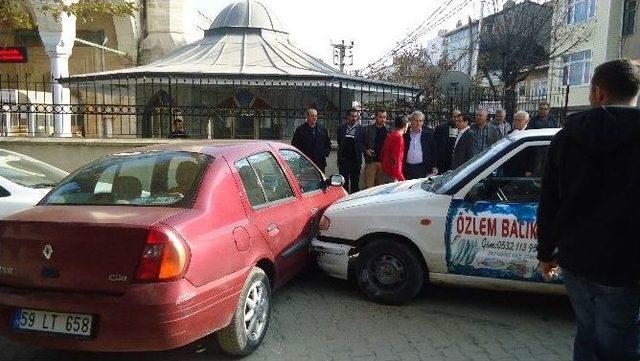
(475, 50)
(342, 54)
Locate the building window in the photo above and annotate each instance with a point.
(539, 89)
(522, 89)
(576, 68)
(629, 17)
(580, 10)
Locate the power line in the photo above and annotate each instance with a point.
(428, 24)
(418, 31)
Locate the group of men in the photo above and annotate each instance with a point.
(408, 150)
(590, 193)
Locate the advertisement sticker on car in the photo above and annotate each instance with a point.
(493, 240)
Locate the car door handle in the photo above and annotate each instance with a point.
(273, 230)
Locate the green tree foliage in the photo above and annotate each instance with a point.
(14, 13)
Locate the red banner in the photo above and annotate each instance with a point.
(13, 55)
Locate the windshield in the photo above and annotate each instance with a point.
(137, 179)
(436, 182)
(29, 172)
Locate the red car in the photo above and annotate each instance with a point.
(157, 247)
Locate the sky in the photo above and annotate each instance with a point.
(374, 26)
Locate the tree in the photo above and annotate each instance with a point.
(14, 14)
(520, 38)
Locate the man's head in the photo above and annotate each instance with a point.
(462, 122)
(543, 109)
(312, 117)
(400, 123)
(352, 116)
(380, 117)
(417, 121)
(178, 124)
(481, 117)
(500, 115)
(615, 82)
(454, 116)
(520, 119)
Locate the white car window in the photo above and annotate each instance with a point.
(29, 172)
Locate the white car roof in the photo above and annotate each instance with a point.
(546, 132)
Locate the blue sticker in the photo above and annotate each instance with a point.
(16, 319)
(495, 240)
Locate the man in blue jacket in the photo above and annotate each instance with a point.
(350, 144)
(589, 211)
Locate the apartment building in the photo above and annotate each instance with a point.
(611, 31)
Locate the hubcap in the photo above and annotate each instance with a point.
(388, 270)
(256, 309)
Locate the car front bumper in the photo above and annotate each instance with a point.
(333, 258)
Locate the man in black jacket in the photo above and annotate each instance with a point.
(350, 151)
(589, 212)
(313, 140)
(464, 147)
(444, 137)
(418, 148)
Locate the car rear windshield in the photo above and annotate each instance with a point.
(29, 172)
(135, 179)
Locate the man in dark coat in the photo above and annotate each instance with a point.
(349, 157)
(419, 151)
(373, 139)
(589, 212)
(313, 140)
(543, 119)
(444, 137)
(464, 147)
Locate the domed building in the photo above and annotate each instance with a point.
(244, 80)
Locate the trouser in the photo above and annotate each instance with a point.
(351, 174)
(373, 174)
(608, 320)
(415, 171)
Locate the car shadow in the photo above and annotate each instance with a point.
(314, 307)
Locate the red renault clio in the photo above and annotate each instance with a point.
(157, 247)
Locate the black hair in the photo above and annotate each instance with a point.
(378, 111)
(400, 121)
(620, 78)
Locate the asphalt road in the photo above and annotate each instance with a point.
(318, 318)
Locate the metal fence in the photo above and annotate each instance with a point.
(145, 107)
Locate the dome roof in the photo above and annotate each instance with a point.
(247, 14)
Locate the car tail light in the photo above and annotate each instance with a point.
(165, 256)
(324, 224)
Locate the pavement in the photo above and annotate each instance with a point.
(318, 318)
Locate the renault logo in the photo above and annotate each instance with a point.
(47, 251)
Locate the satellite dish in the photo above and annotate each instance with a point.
(454, 83)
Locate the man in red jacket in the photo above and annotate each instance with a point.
(392, 155)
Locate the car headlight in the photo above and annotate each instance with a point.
(324, 224)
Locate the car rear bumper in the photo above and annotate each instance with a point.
(148, 317)
(333, 258)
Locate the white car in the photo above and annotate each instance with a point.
(473, 226)
(24, 181)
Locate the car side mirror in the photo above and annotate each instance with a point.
(336, 180)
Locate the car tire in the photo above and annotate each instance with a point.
(251, 318)
(389, 272)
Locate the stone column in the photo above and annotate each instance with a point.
(58, 36)
(164, 28)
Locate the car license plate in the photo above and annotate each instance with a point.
(54, 322)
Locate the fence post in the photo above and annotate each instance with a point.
(566, 101)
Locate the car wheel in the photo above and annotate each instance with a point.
(389, 272)
(251, 318)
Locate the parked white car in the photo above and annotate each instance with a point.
(24, 181)
(473, 226)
